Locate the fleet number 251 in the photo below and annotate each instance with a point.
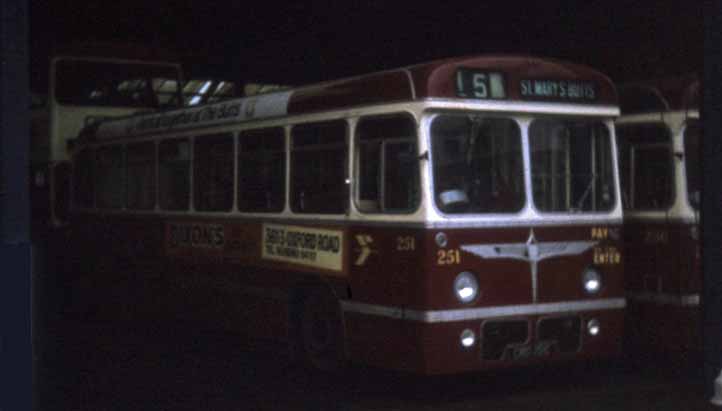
(448, 257)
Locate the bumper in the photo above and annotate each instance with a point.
(431, 344)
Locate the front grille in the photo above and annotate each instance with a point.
(499, 338)
(562, 334)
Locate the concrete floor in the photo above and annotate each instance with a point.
(163, 364)
(142, 358)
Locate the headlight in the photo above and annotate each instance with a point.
(467, 338)
(466, 287)
(591, 280)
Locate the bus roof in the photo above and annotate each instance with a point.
(518, 78)
(660, 95)
(437, 79)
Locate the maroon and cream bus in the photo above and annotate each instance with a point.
(659, 138)
(456, 215)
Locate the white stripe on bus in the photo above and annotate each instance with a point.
(436, 316)
(688, 300)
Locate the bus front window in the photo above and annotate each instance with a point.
(109, 84)
(572, 168)
(478, 164)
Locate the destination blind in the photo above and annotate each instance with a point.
(479, 84)
(569, 90)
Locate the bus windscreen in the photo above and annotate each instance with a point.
(572, 168)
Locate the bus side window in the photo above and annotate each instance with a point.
(174, 174)
(61, 192)
(141, 177)
(386, 164)
(213, 173)
(110, 177)
(83, 183)
(262, 170)
(646, 167)
(318, 168)
(401, 177)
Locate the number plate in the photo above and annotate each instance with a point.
(520, 352)
(540, 349)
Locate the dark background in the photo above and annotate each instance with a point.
(301, 42)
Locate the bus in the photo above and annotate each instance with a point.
(659, 136)
(88, 82)
(455, 215)
(85, 82)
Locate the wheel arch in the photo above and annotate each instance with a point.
(337, 290)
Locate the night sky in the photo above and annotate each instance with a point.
(296, 43)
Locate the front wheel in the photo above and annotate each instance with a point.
(321, 332)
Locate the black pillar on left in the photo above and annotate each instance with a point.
(712, 195)
(16, 355)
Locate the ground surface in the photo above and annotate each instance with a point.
(159, 363)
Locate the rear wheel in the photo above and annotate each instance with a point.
(321, 332)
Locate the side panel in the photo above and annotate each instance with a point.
(212, 271)
(663, 285)
(395, 285)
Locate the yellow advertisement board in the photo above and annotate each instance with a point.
(303, 245)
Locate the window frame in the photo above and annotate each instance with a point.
(285, 161)
(381, 184)
(195, 189)
(121, 205)
(591, 121)
(293, 149)
(159, 161)
(522, 130)
(88, 151)
(630, 163)
(154, 145)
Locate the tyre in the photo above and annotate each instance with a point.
(321, 332)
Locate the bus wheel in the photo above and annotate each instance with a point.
(321, 332)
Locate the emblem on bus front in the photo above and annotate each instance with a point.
(532, 251)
